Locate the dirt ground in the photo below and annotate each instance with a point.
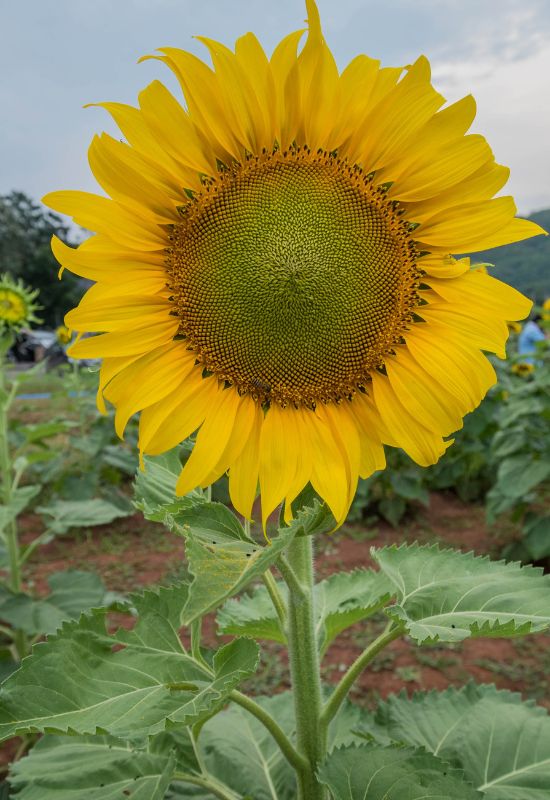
(133, 553)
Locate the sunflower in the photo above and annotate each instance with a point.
(273, 267)
(63, 334)
(523, 369)
(546, 310)
(17, 304)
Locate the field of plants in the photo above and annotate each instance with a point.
(91, 532)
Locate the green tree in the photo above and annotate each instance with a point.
(26, 229)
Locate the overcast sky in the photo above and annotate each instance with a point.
(57, 55)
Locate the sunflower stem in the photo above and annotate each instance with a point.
(304, 667)
(276, 597)
(338, 696)
(9, 533)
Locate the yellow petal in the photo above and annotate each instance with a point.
(116, 313)
(330, 468)
(133, 125)
(126, 183)
(279, 457)
(396, 118)
(284, 69)
(212, 439)
(255, 64)
(486, 334)
(483, 184)
(345, 433)
(444, 266)
(491, 296)
(105, 216)
(319, 84)
(204, 102)
(467, 373)
(109, 368)
(304, 465)
(476, 226)
(86, 263)
(157, 374)
(174, 130)
(447, 167)
(425, 398)
(448, 125)
(125, 343)
(423, 446)
(243, 473)
(171, 420)
(356, 85)
(240, 432)
(242, 110)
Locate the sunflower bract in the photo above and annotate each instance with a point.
(273, 267)
(17, 304)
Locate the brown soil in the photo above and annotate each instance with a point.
(132, 553)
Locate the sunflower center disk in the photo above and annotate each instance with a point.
(292, 276)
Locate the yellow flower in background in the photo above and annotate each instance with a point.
(523, 369)
(546, 310)
(514, 327)
(63, 334)
(273, 268)
(17, 304)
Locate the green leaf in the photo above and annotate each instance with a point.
(91, 768)
(252, 615)
(71, 593)
(20, 499)
(223, 560)
(132, 682)
(501, 743)
(447, 595)
(340, 601)
(45, 430)
(537, 538)
(155, 489)
(372, 772)
(250, 762)
(67, 514)
(518, 475)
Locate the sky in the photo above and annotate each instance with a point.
(57, 55)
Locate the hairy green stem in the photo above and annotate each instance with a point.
(276, 597)
(304, 666)
(338, 696)
(289, 576)
(292, 756)
(210, 783)
(6, 480)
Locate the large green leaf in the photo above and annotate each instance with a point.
(91, 768)
(501, 743)
(133, 682)
(250, 763)
(155, 489)
(240, 752)
(67, 514)
(223, 560)
(448, 595)
(20, 499)
(71, 592)
(340, 601)
(372, 772)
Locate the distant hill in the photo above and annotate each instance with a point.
(524, 265)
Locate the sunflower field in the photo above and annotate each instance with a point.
(279, 527)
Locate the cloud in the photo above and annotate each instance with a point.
(62, 55)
